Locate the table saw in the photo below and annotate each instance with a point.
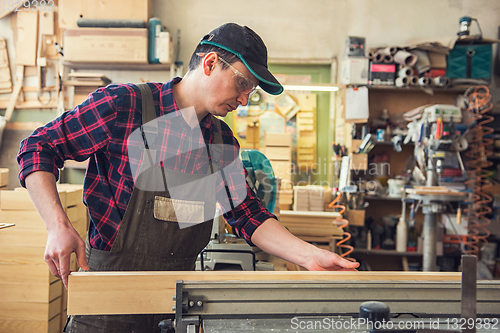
(291, 301)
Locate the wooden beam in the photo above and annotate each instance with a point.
(151, 292)
(18, 84)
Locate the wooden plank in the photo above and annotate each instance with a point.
(20, 200)
(311, 215)
(18, 84)
(27, 36)
(74, 193)
(29, 274)
(118, 292)
(25, 292)
(30, 310)
(21, 255)
(4, 177)
(23, 237)
(22, 219)
(30, 326)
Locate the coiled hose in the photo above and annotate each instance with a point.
(480, 147)
(342, 223)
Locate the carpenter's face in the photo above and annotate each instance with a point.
(231, 87)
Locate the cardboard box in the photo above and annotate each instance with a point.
(166, 48)
(354, 71)
(71, 10)
(382, 74)
(123, 45)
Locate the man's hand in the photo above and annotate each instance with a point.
(322, 260)
(274, 239)
(62, 241)
(63, 238)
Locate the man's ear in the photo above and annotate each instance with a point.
(209, 63)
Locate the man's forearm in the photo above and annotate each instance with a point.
(41, 186)
(273, 238)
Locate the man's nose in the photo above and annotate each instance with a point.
(243, 99)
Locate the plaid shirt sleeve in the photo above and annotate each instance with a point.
(250, 213)
(75, 135)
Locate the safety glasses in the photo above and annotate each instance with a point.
(243, 84)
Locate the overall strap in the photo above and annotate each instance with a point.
(216, 147)
(149, 127)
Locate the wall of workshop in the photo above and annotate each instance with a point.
(311, 30)
(305, 30)
(317, 29)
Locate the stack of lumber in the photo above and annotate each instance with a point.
(311, 226)
(300, 198)
(278, 150)
(33, 300)
(306, 132)
(309, 198)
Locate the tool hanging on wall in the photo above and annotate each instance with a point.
(480, 147)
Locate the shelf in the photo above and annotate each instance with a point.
(388, 253)
(117, 66)
(389, 143)
(386, 198)
(461, 88)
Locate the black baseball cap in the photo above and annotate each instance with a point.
(249, 48)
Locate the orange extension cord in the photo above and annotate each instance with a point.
(342, 223)
(479, 150)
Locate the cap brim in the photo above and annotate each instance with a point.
(267, 81)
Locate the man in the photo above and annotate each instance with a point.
(136, 218)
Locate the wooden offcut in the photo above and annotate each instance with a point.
(4, 177)
(151, 292)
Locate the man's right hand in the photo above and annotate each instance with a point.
(63, 238)
(62, 241)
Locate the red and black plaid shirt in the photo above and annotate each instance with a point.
(99, 128)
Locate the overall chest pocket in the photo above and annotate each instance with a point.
(185, 212)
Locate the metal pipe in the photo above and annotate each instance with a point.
(430, 226)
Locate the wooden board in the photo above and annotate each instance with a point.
(22, 219)
(20, 200)
(29, 274)
(31, 326)
(30, 310)
(27, 35)
(119, 292)
(74, 194)
(23, 237)
(24, 292)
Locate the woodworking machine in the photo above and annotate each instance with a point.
(376, 306)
